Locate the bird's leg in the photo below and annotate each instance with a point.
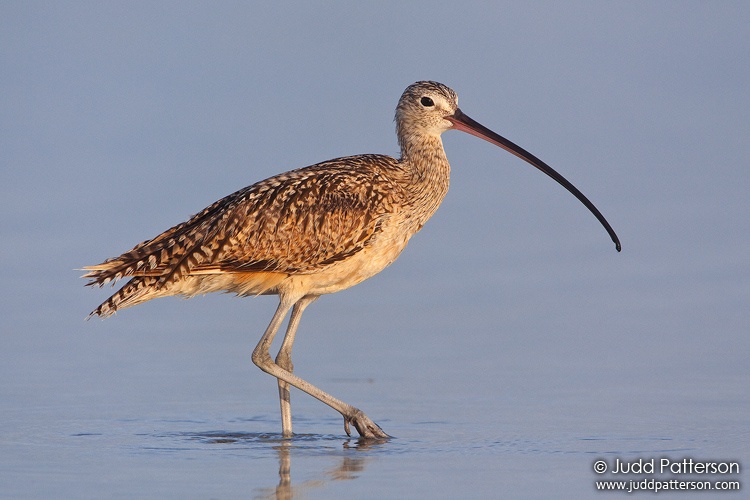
(284, 360)
(261, 357)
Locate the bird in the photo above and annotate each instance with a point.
(309, 232)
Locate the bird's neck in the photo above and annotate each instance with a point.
(425, 163)
(425, 158)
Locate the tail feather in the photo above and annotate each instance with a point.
(134, 292)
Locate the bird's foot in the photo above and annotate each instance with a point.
(367, 428)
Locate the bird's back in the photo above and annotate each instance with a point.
(298, 222)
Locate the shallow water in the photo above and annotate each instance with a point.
(174, 412)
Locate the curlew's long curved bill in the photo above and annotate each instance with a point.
(462, 122)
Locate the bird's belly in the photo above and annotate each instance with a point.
(354, 269)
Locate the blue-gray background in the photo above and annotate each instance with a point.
(508, 348)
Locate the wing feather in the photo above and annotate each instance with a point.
(294, 222)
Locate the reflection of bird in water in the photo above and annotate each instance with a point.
(309, 232)
(348, 468)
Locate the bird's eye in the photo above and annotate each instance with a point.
(427, 102)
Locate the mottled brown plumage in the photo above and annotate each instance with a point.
(309, 232)
(294, 223)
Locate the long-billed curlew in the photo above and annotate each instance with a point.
(309, 232)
